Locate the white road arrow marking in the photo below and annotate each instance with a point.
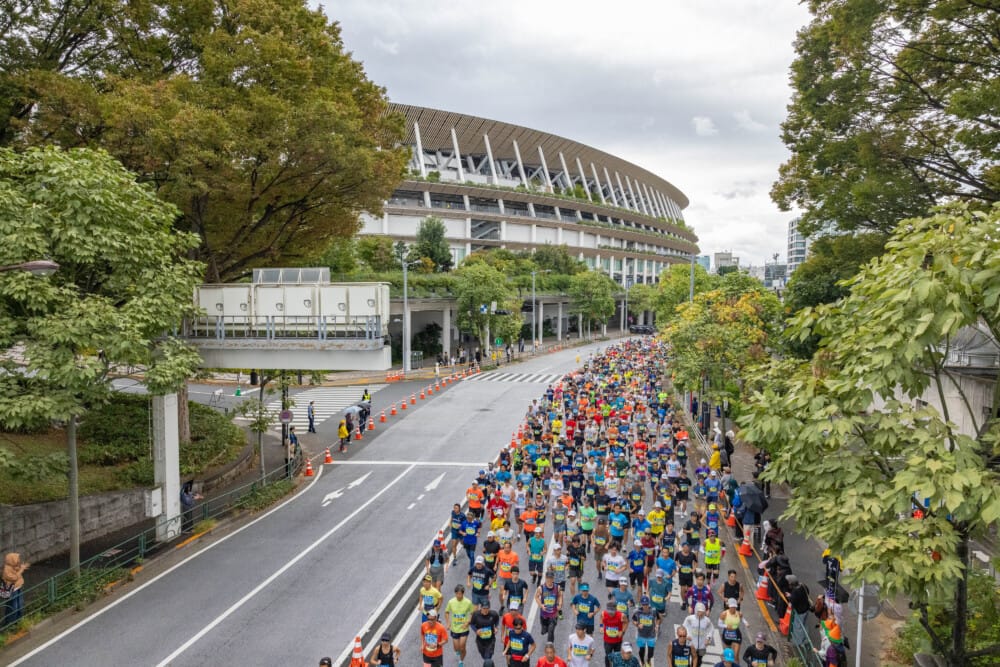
(358, 481)
(329, 498)
(434, 483)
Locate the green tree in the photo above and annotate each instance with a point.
(592, 294)
(674, 288)
(248, 115)
(857, 465)
(721, 335)
(557, 259)
(341, 256)
(378, 252)
(123, 285)
(431, 243)
(479, 285)
(894, 110)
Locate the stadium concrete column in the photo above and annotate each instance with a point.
(652, 203)
(541, 320)
(545, 169)
(621, 189)
(635, 200)
(566, 174)
(446, 332)
(420, 161)
(559, 319)
(597, 181)
(611, 187)
(583, 178)
(493, 166)
(167, 465)
(458, 158)
(520, 164)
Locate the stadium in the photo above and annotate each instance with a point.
(495, 184)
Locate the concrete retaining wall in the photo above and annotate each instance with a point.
(41, 530)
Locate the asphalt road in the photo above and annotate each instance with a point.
(298, 581)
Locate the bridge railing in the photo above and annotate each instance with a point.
(273, 327)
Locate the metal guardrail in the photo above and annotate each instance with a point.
(116, 563)
(273, 327)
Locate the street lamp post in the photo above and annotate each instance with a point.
(401, 250)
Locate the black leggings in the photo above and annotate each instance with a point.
(549, 627)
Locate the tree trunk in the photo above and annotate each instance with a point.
(74, 497)
(961, 627)
(183, 415)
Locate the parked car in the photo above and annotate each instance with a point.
(646, 329)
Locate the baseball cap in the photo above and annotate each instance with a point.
(325, 662)
(491, 534)
(514, 604)
(557, 547)
(626, 647)
(518, 621)
(640, 513)
(572, 513)
(729, 654)
(623, 582)
(432, 613)
(657, 504)
(644, 599)
(484, 602)
(660, 574)
(386, 637)
(760, 637)
(584, 587)
(480, 559)
(791, 579)
(733, 603)
(700, 607)
(428, 577)
(637, 543)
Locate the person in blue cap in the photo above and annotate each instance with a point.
(586, 607)
(728, 658)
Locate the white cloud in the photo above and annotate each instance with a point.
(746, 121)
(704, 126)
(392, 48)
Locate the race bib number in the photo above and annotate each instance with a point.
(613, 632)
(431, 640)
(484, 633)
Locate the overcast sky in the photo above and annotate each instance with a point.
(693, 90)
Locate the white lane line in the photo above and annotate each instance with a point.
(420, 497)
(449, 464)
(410, 506)
(434, 483)
(267, 582)
(152, 581)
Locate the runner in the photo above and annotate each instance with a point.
(515, 589)
(550, 659)
(680, 653)
(430, 598)
(613, 626)
(580, 647)
(385, 654)
(484, 626)
(520, 645)
(586, 606)
(458, 614)
(729, 621)
(432, 638)
(548, 597)
(647, 624)
(731, 589)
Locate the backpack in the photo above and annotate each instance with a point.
(728, 445)
(6, 590)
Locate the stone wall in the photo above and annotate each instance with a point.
(41, 530)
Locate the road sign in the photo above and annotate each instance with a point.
(285, 416)
(498, 342)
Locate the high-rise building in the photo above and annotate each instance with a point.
(725, 259)
(798, 246)
(498, 185)
(705, 261)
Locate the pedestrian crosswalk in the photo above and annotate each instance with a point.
(533, 378)
(328, 402)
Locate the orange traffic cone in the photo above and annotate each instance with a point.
(382, 418)
(513, 442)
(357, 433)
(422, 396)
(393, 411)
(746, 549)
(762, 588)
(785, 625)
(731, 519)
(371, 423)
(413, 399)
(430, 390)
(402, 406)
(437, 386)
(328, 458)
(357, 655)
(309, 468)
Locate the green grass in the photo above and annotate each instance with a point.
(114, 452)
(260, 499)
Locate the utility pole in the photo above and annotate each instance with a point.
(534, 313)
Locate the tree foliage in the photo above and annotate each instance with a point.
(592, 295)
(479, 286)
(378, 252)
(674, 288)
(894, 110)
(555, 258)
(856, 464)
(248, 115)
(431, 244)
(721, 334)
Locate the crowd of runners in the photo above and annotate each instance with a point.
(602, 517)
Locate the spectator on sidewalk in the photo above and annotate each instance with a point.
(12, 589)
